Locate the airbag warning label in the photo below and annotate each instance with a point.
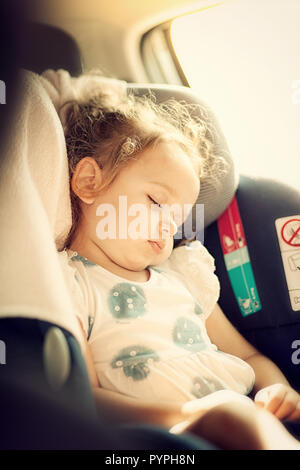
(288, 233)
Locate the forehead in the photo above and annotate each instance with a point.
(167, 164)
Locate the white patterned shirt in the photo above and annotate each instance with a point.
(148, 339)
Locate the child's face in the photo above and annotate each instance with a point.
(143, 181)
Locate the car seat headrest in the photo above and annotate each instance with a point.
(214, 194)
(48, 47)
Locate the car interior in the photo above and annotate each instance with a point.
(250, 222)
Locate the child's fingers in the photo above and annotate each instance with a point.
(287, 407)
(261, 398)
(271, 398)
(295, 415)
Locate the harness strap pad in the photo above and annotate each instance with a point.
(237, 260)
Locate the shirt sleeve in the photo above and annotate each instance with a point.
(195, 267)
(79, 290)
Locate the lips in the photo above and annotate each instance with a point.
(157, 246)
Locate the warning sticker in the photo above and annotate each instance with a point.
(288, 233)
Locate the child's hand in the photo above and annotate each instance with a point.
(195, 409)
(202, 405)
(281, 400)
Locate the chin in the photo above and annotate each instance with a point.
(136, 265)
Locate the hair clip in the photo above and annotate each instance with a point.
(130, 145)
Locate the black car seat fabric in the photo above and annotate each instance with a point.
(275, 328)
(26, 365)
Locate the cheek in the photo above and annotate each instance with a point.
(154, 219)
(126, 220)
(141, 220)
(89, 218)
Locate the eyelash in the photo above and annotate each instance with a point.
(154, 202)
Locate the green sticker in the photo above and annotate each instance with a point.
(242, 281)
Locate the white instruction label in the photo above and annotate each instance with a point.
(288, 233)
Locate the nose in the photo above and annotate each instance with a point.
(163, 225)
(168, 228)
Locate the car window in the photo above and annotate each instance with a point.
(242, 57)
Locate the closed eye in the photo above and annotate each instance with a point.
(154, 202)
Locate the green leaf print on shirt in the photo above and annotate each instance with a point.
(203, 386)
(126, 300)
(85, 261)
(135, 361)
(187, 334)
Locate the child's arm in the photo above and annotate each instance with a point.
(223, 334)
(279, 397)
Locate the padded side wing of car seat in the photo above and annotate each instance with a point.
(274, 328)
(25, 367)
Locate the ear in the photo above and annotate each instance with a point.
(87, 180)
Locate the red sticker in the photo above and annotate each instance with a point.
(290, 232)
(231, 229)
